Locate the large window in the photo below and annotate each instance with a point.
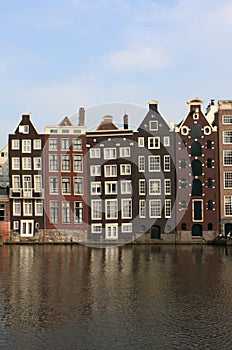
(109, 153)
(195, 131)
(96, 188)
(153, 142)
(228, 179)
(16, 207)
(124, 152)
(66, 185)
(66, 212)
(78, 163)
(227, 119)
(16, 183)
(155, 208)
(111, 209)
(37, 144)
(26, 146)
(126, 208)
(53, 144)
(154, 163)
(37, 163)
(154, 186)
(27, 207)
(53, 162)
(65, 162)
(126, 186)
(110, 170)
(15, 144)
(95, 153)
(15, 163)
(197, 208)
(96, 209)
(54, 212)
(111, 187)
(77, 145)
(65, 144)
(196, 167)
(125, 169)
(78, 213)
(95, 170)
(26, 163)
(227, 156)
(228, 205)
(196, 149)
(111, 231)
(54, 185)
(78, 185)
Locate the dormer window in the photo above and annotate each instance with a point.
(24, 129)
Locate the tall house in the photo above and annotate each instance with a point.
(197, 176)
(154, 194)
(110, 188)
(224, 122)
(65, 179)
(26, 180)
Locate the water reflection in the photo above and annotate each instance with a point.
(131, 297)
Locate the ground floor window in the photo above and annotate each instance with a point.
(111, 231)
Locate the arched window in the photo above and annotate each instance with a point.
(196, 149)
(183, 226)
(209, 144)
(209, 163)
(196, 167)
(183, 183)
(195, 131)
(210, 182)
(183, 163)
(210, 226)
(196, 187)
(210, 205)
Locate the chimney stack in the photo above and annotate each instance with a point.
(125, 121)
(82, 116)
(153, 105)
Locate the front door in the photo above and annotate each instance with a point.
(155, 232)
(27, 228)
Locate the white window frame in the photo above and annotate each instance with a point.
(78, 208)
(156, 125)
(142, 186)
(27, 207)
(78, 163)
(155, 208)
(126, 208)
(53, 144)
(95, 170)
(65, 144)
(65, 163)
(227, 154)
(167, 186)
(108, 235)
(202, 210)
(167, 163)
(124, 152)
(227, 119)
(37, 144)
(15, 163)
(54, 208)
(155, 187)
(78, 185)
(227, 179)
(53, 162)
(26, 146)
(15, 144)
(96, 187)
(142, 208)
(53, 185)
(16, 183)
(154, 142)
(157, 165)
(95, 153)
(127, 227)
(66, 190)
(125, 169)
(167, 208)
(126, 186)
(26, 163)
(227, 137)
(110, 170)
(109, 213)
(96, 228)
(38, 207)
(37, 183)
(141, 164)
(66, 212)
(96, 209)
(17, 207)
(111, 187)
(110, 153)
(166, 141)
(141, 141)
(37, 163)
(228, 202)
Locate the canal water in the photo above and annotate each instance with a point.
(130, 297)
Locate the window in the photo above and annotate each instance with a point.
(196, 167)
(195, 131)
(210, 205)
(37, 144)
(27, 207)
(54, 212)
(16, 183)
(141, 163)
(227, 136)
(66, 212)
(78, 185)
(53, 131)
(184, 130)
(153, 142)
(111, 231)
(77, 144)
(196, 187)
(210, 226)
(111, 208)
(110, 153)
(126, 187)
(207, 130)
(111, 187)
(209, 144)
(2, 212)
(15, 163)
(183, 183)
(141, 141)
(15, 225)
(54, 185)
(37, 183)
(37, 163)
(228, 179)
(153, 125)
(126, 208)
(183, 163)
(166, 141)
(228, 205)
(154, 163)
(78, 163)
(38, 207)
(126, 228)
(142, 208)
(96, 228)
(16, 207)
(27, 184)
(95, 170)
(66, 185)
(95, 188)
(65, 162)
(110, 170)
(95, 153)
(167, 208)
(124, 151)
(209, 163)
(78, 213)
(227, 119)
(53, 145)
(155, 208)
(210, 182)
(197, 207)
(167, 163)
(142, 186)
(183, 226)
(167, 186)
(154, 186)
(26, 146)
(227, 156)
(125, 169)
(26, 163)
(96, 209)
(65, 144)
(196, 149)
(15, 144)
(53, 162)
(24, 129)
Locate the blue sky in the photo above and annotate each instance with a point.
(59, 55)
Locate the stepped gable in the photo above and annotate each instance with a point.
(107, 123)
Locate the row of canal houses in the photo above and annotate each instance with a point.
(161, 182)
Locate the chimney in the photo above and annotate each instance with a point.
(82, 116)
(125, 121)
(153, 105)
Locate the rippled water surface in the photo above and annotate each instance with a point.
(131, 297)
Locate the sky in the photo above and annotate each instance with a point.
(59, 55)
